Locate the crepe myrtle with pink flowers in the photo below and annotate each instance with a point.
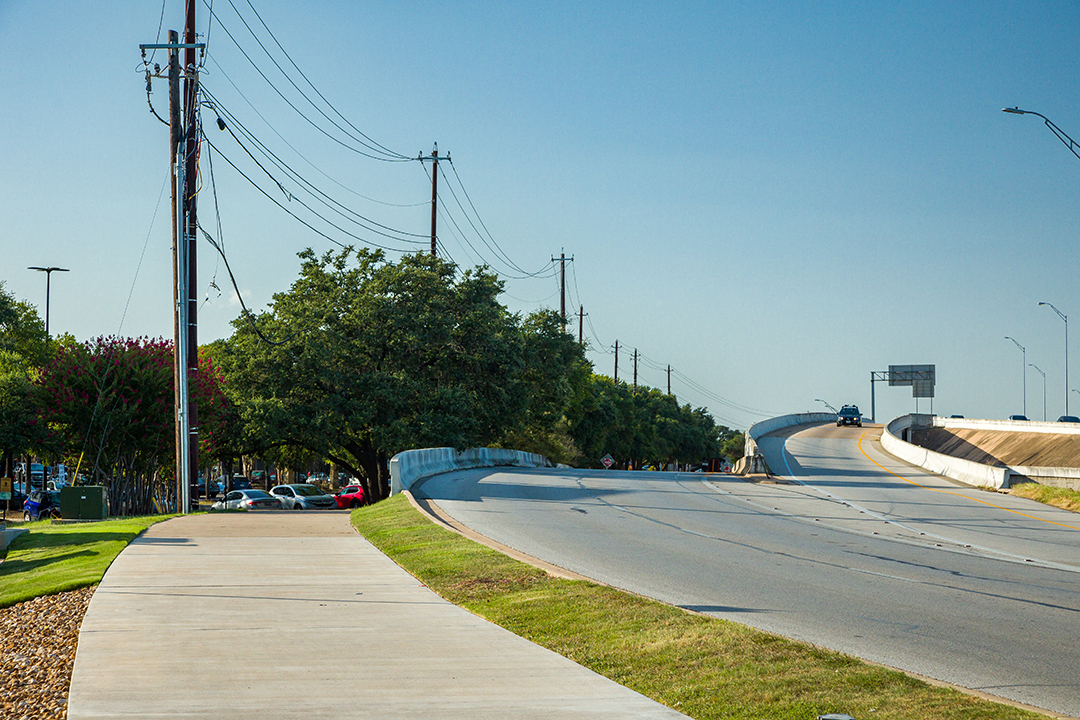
(109, 401)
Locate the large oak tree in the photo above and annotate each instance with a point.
(364, 357)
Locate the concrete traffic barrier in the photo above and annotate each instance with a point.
(753, 461)
(407, 467)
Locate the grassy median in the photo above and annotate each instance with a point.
(701, 666)
(54, 558)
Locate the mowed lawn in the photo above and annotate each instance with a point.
(54, 558)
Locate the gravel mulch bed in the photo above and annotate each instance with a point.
(37, 652)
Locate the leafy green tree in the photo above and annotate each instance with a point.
(363, 358)
(23, 349)
(648, 425)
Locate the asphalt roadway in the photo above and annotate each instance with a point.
(287, 614)
(850, 549)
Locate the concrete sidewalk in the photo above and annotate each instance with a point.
(290, 614)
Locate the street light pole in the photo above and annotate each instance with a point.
(48, 289)
(834, 411)
(1068, 141)
(1066, 319)
(1022, 368)
(1044, 389)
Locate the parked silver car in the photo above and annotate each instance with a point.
(247, 500)
(301, 496)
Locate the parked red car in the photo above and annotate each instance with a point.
(350, 496)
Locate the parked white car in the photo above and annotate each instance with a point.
(301, 496)
(247, 500)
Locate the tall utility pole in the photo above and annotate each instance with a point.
(434, 158)
(191, 174)
(581, 325)
(635, 371)
(562, 284)
(179, 399)
(616, 362)
(183, 155)
(669, 379)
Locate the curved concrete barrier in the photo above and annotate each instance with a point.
(966, 471)
(411, 465)
(753, 461)
(777, 423)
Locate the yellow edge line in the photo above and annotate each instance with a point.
(949, 492)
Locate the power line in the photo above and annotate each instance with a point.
(335, 206)
(232, 117)
(321, 96)
(497, 249)
(394, 157)
(295, 216)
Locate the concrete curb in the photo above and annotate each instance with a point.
(9, 534)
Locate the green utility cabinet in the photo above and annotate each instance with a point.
(86, 502)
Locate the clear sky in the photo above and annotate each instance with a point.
(775, 198)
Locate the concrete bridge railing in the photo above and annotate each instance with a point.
(753, 461)
(966, 471)
(406, 468)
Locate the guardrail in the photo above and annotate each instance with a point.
(410, 466)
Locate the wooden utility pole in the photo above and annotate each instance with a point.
(669, 379)
(581, 325)
(183, 159)
(635, 371)
(562, 285)
(174, 147)
(434, 158)
(616, 362)
(191, 174)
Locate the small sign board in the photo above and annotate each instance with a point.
(607, 461)
(5, 488)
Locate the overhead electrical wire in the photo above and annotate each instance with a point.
(299, 154)
(498, 250)
(335, 206)
(387, 150)
(358, 142)
(297, 217)
(383, 153)
(461, 234)
(220, 247)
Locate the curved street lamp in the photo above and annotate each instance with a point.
(1068, 141)
(1044, 388)
(826, 405)
(1023, 368)
(1066, 319)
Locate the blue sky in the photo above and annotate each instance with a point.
(774, 198)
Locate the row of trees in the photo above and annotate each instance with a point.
(361, 358)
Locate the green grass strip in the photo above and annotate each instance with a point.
(1059, 497)
(701, 666)
(56, 558)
